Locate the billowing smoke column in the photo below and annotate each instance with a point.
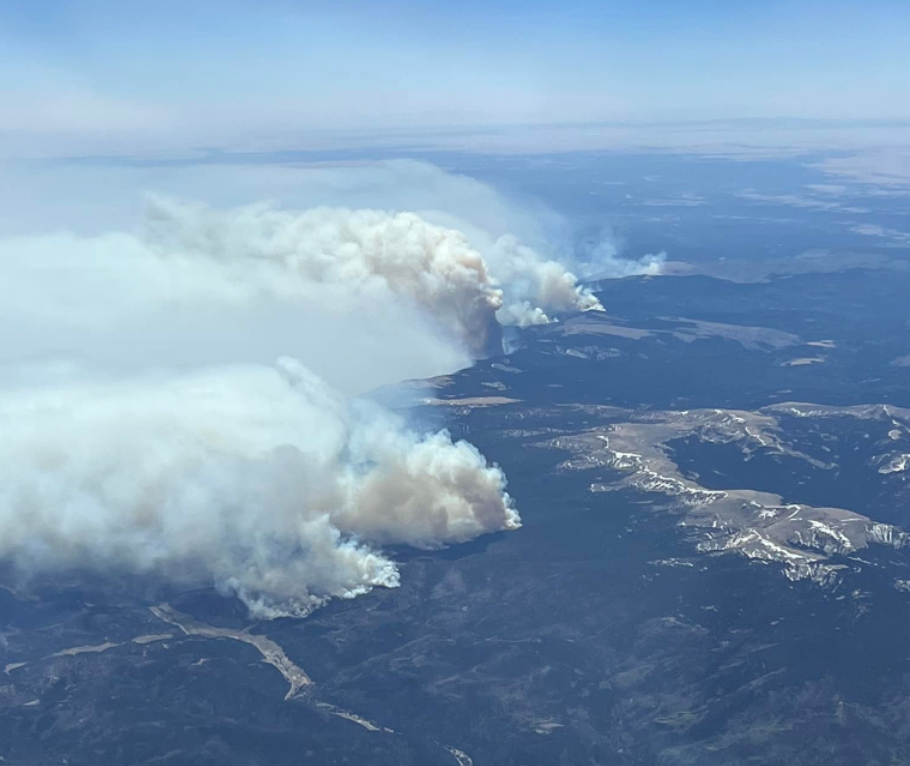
(363, 250)
(262, 479)
(259, 478)
(536, 285)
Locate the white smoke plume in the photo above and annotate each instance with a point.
(145, 428)
(262, 479)
(350, 252)
(432, 265)
(604, 262)
(536, 285)
(331, 261)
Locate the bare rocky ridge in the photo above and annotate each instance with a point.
(755, 524)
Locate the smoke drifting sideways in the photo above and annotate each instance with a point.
(144, 426)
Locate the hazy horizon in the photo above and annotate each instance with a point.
(95, 76)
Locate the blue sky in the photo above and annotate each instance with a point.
(232, 69)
